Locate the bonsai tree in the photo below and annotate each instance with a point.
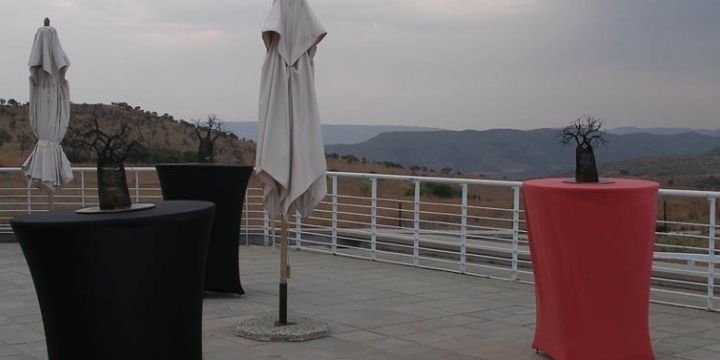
(208, 131)
(112, 150)
(585, 132)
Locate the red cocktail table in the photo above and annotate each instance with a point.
(591, 248)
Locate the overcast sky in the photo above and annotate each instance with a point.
(455, 64)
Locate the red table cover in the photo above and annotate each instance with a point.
(591, 247)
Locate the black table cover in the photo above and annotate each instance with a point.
(120, 286)
(225, 186)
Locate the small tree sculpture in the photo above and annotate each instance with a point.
(111, 150)
(586, 132)
(208, 131)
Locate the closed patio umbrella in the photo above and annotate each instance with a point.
(47, 167)
(290, 159)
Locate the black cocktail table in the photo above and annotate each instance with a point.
(120, 286)
(225, 186)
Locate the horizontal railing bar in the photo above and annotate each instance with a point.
(674, 292)
(453, 205)
(690, 193)
(490, 208)
(340, 196)
(457, 181)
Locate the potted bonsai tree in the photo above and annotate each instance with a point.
(225, 185)
(586, 133)
(112, 148)
(207, 132)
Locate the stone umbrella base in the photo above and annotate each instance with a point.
(264, 328)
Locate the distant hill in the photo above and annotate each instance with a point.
(513, 153)
(332, 134)
(165, 139)
(688, 171)
(662, 131)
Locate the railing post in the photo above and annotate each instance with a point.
(137, 186)
(334, 214)
(373, 219)
(29, 198)
(298, 230)
(82, 188)
(247, 219)
(266, 228)
(463, 229)
(273, 236)
(515, 232)
(711, 253)
(416, 224)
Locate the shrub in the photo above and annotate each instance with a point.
(5, 137)
(349, 158)
(444, 191)
(364, 186)
(25, 141)
(238, 155)
(390, 164)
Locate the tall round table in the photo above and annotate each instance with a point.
(225, 186)
(120, 286)
(591, 247)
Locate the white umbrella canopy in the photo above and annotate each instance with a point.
(290, 158)
(47, 167)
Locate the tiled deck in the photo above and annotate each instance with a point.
(375, 311)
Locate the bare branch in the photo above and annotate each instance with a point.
(587, 131)
(208, 131)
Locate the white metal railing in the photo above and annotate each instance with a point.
(469, 226)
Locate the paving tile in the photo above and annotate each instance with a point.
(693, 341)
(699, 354)
(36, 349)
(714, 347)
(359, 336)
(399, 329)
(8, 350)
(426, 337)
(670, 349)
(18, 334)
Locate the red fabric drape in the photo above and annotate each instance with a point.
(591, 247)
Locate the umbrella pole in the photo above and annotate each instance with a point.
(51, 200)
(283, 272)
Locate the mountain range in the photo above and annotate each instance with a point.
(353, 134)
(662, 131)
(332, 134)
(514, 153)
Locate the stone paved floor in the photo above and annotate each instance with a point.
(375, 311)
